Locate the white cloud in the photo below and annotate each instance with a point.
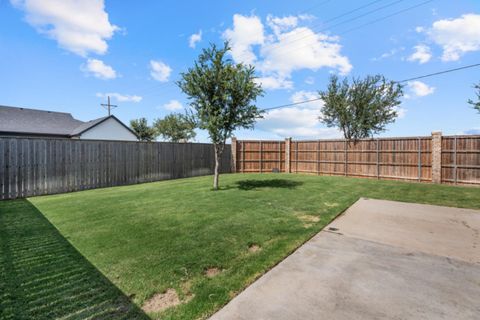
(388, 54)
(285, 49)
(120, 97)
(420, 29)
(194, 38)
(296, 122)
(456, 36)
(247, 31)
(274, 82)
(313, 51)
(300, 121)
(422, 54)
(420, 89)
(302, 95)
(401, 112)
(310, 80)
(99, 69)
(81, 27)
(279, 25)
(173, 105)
(160, 71)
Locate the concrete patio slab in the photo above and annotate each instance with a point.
(443, 231)
(363, 271)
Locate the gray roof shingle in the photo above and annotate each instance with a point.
(40, 122)
(86, 125)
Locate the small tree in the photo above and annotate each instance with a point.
(362, 108)
(476, 104)
(175, 127)
(143, 130)
(222, 97)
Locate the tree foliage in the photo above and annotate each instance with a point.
(142, 129)
(175, 127)
(222, 96)
(476, 104)
(361, 108)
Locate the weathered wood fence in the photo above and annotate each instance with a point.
(37, 166)
(449, 159)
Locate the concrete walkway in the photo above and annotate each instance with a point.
(380, 260)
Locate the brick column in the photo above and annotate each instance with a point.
(288, 143)
(437, 157)
(234, 154)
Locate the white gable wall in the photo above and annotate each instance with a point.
(109, 129)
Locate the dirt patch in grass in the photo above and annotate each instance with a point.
(330, 204)
(212, 272)
(308, 220)
(162, 301)
(186, 287)
(254, 248)
(187, 291)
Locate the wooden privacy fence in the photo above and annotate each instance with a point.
(449, 159)
(38, 166)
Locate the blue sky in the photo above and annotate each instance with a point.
(68, 55)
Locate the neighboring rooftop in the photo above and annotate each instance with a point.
(24, 121)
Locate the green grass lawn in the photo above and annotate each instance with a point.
(83, 247)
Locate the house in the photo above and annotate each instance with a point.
(40, 123)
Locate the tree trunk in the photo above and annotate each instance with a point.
(217, 162)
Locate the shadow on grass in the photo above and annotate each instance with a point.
(270, 183)
(42, 276)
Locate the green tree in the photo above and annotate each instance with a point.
(143, 130)
(361, 108)
(476, 104)
(222, 97)
(175, 127)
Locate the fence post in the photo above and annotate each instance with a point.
(288, 143)
(318, 157)
(419, 141)
(437, 157)
(260, 161)
(234, 154)
(378, 159)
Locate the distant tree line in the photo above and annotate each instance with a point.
(175, 127)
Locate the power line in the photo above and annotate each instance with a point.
(282, 53)
(401, 81)
(172, 83)
(440, 72)
(333, 19)
(318, 5)
(314, 28)
(385, 17)
(153, 89)
(292, 104)
(285, 45)
(146, 90)
(364, 14)
(352, 11)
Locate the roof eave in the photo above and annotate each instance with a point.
(102, 121)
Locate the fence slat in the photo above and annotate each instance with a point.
(39, 166)
(404, 158)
